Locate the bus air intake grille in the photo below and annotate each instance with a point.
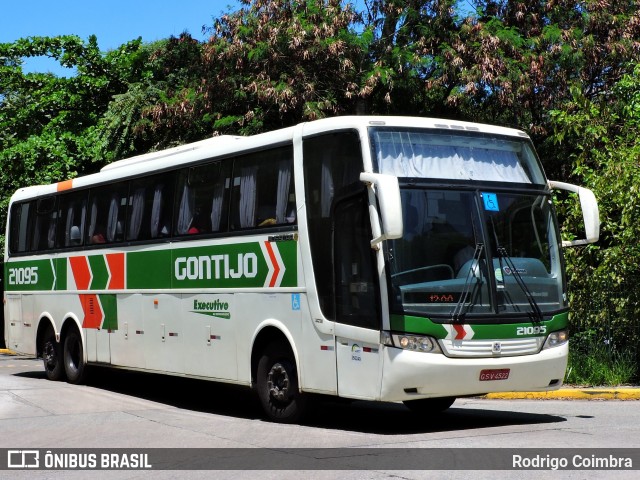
(491, 348)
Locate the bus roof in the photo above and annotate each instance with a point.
(227, 145)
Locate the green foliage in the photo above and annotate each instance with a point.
(274, 64)
(603, 278)
(593, 361)
(48, 123)
(117, 133)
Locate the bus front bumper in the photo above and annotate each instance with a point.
(409, 375)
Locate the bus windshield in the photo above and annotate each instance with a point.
(475, 248)
(455, 156)
(466, 252)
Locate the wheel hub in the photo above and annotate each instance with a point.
(278, 382)
(49, 354)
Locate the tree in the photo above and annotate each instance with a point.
(603, 278)
(272, 64)
(47, 123)
(156, 109)
(519, 60)
(409, 62)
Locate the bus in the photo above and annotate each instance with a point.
(391, 259)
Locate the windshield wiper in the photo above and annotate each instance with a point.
(536, 312)
(462, 306)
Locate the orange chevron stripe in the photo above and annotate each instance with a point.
(115, 262)
(274, 262)
(92, 311)
(81, 272)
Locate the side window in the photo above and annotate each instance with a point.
(263, 191)
(72, 218)
(106, 214)
(44, 228)
(202, 199)
(19, 228)
(331, 163)
(150, 207)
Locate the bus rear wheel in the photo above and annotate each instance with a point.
(428, 406)
(74, 364)
(278, 387)
(52, 356)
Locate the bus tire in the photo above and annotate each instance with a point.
(74, 364)
(428, 406)
(277, 385)
(52, 356)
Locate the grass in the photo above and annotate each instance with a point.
(593, 362)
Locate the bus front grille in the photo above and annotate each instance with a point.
(491, 348)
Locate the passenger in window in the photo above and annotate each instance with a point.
(74, 235)
(98, 236)
(462, 256)
(196, 225)
(266, 215)
(291, 216)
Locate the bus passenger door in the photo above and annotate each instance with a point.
(357, 303)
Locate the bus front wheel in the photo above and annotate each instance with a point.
(74, 364)
(52, 356)
(277, 385)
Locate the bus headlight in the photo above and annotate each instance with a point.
(416, 343)
(556, 339)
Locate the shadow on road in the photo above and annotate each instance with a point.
(326, 412)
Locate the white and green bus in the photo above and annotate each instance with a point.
(378, 258)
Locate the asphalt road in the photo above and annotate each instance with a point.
(118, 409)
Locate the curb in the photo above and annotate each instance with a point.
(611, 393)
(6, 351)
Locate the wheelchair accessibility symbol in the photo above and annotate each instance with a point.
(490, 202)
(295, 301)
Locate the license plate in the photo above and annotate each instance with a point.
(494, 374)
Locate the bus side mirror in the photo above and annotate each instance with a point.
(590, 212)
(387, 192)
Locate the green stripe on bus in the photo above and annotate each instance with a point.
(236, 265)
(424, 326)
(61, 273)
(110, 308)
(99, 272)
(30, 275)
(289, 253)
(149, 270)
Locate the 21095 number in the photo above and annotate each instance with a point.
(23, 276)
(538, 330)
